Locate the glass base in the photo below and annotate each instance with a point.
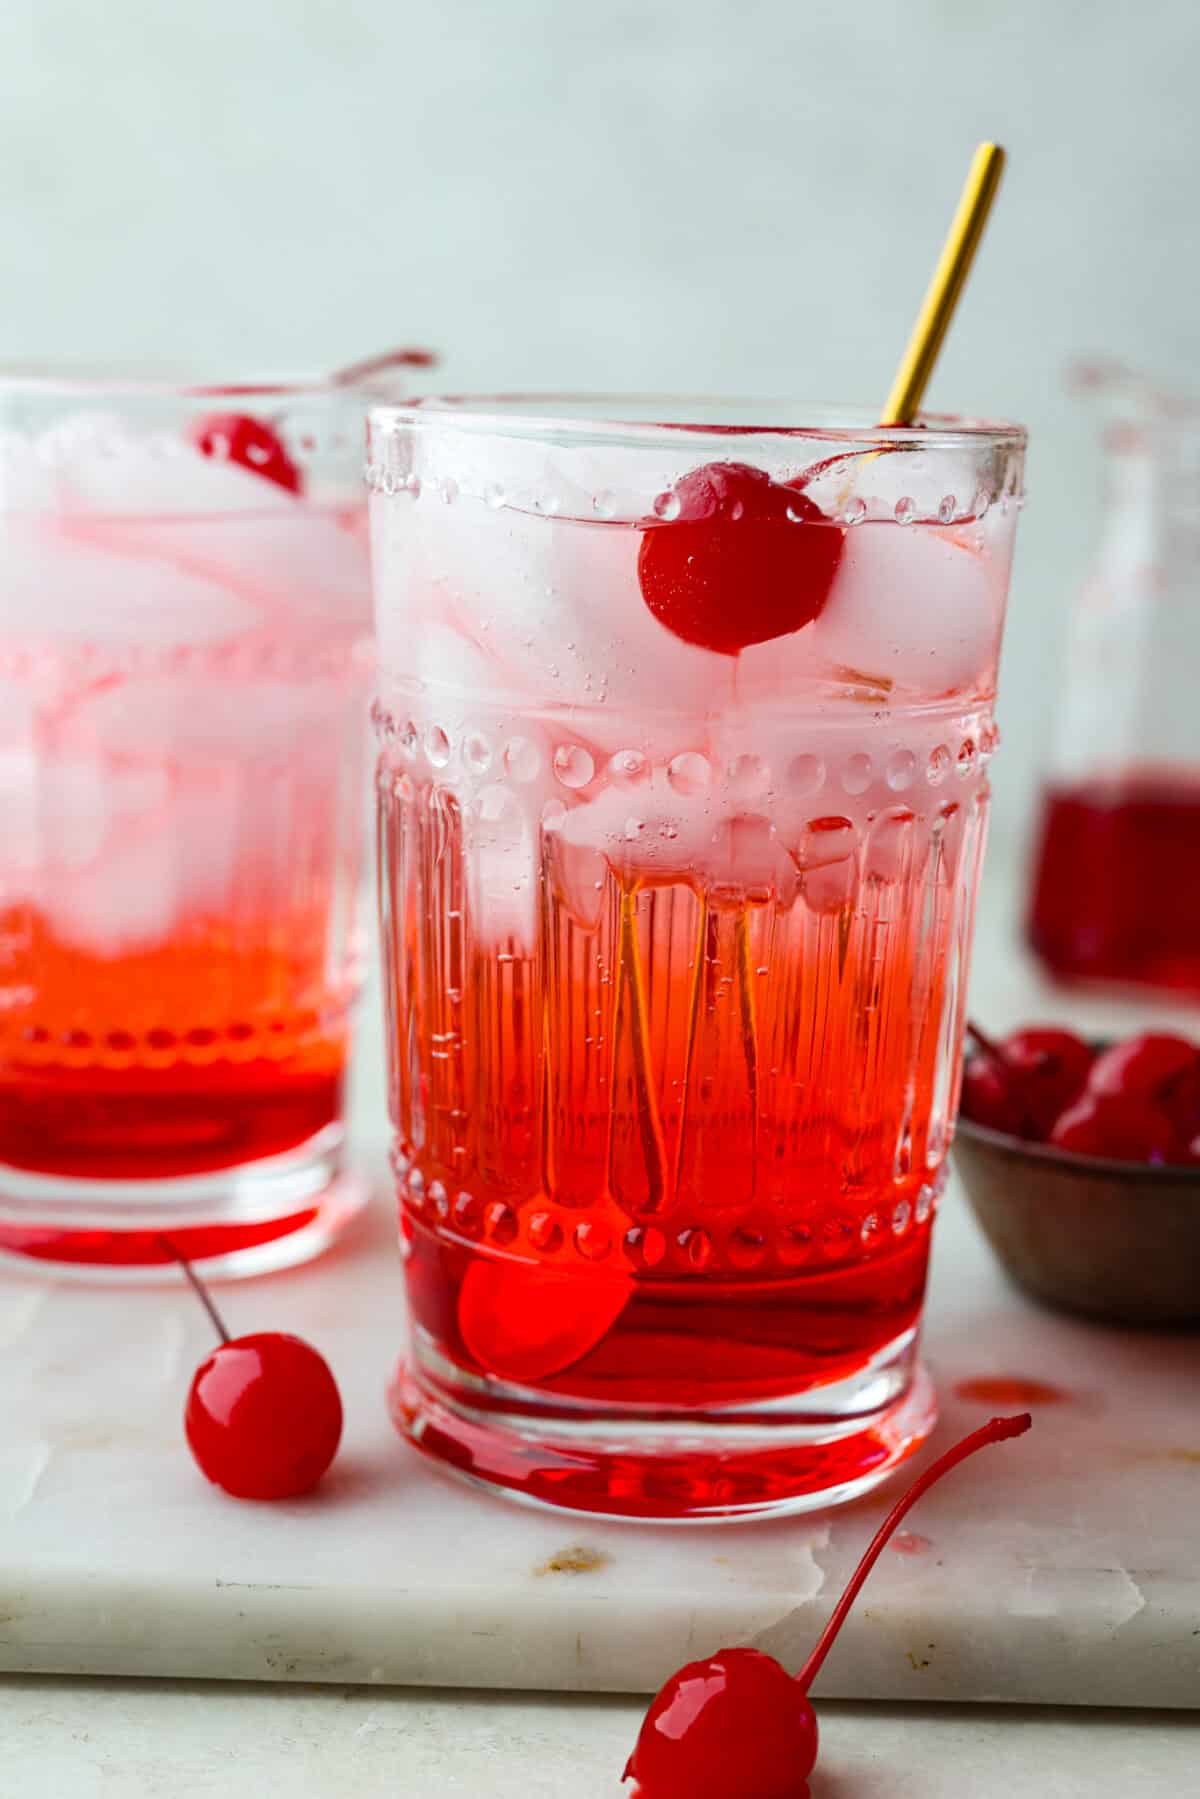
(824, 1447)
(236, 1222)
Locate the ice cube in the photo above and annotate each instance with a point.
(556, 604)
(26, 483)
(101, 466)
(918, 605)
(195, 719)
(64, 581)
(305, 571)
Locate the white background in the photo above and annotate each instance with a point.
(714, 195)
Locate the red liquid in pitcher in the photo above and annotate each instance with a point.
(1116, 894)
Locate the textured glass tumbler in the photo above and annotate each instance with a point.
(683, 738)
(184, 668)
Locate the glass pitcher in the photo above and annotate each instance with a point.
(1115, 893)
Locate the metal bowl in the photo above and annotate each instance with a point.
(1118, 1241)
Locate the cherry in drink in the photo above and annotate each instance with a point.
(682, 790)
(184, 628)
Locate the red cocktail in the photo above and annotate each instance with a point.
(184, 639)
(682, 793)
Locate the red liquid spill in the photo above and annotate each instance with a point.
(1008, 1390)
(1116, 893)
(907, 1542)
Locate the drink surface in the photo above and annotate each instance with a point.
(675, 946)
(181, 670)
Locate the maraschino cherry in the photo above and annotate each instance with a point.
(738, 1726)
(263, 1416)
(234, 437)
(735, 558)
(1124, 1127)
(1024, 1082)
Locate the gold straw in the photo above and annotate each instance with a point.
(949, 278)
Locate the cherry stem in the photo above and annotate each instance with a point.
(198, 1288)
(987, 1044)
(996, 1431)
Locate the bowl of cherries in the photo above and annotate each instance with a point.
(1081, 1162)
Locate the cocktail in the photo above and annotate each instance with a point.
(184, 658)
(683, 741)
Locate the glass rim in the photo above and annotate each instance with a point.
(645, 417)
(94, 378)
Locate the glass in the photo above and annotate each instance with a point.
(184, 663)
(675, 935)
(1116, 868)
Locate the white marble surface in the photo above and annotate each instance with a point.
(1062, 1569)
(117, 1739)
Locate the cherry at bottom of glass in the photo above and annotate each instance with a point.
(109, 1175)
(694, 1400)
(1116, 885)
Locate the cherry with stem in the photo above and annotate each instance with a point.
(739, 1726)
(263, 1418)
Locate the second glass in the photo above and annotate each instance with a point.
(682, 781)
(184, 664)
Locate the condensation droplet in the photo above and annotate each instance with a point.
(689, 772)
(924, 1204)
(696, 1246)
(940, 764)
(795, 1245)
(593, 1239)
(667, 505)
(901, 770)
(437, 746)
(573, 765)
(468, 1214)
(856, 776)
(477, 752)
(629, 766)
(806, 774)
(855, 511)
(645, 1246)
(901, 1213)
(947, 507)
(966, 758)
(501, 1222)
(747, 1247)
(545, 1232)
(748, 774)
(905, 510)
